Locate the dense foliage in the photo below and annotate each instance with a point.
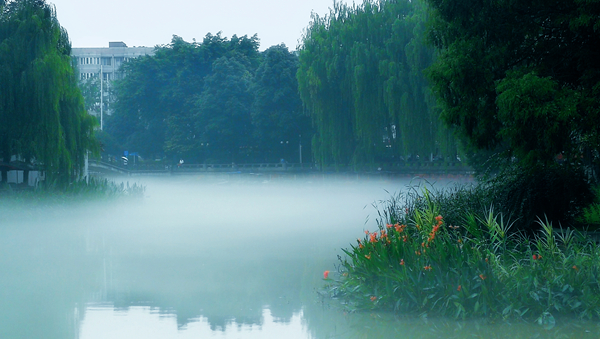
(361, 79)
(42, 116)
(219, 100)
(418, 262)
(522, 77)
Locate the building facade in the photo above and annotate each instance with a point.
(105, 61)
(108, 60)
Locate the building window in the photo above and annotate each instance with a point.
(106, 61)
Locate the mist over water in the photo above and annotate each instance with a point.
(220, 256)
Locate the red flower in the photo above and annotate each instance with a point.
(534, 257)
(427, 268)
(459, 288)
(373, 298)
(402, 262)
(326, 275)
(483, 277)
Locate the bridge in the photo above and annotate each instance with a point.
(412, 168)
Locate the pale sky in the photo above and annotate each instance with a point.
(151, 22)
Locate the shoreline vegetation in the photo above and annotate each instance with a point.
(80, 190)
(450, 253)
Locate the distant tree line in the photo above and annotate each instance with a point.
(219, 100)
(43, 121)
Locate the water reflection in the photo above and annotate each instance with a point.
(106, 321)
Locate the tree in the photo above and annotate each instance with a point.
(223, 111)
(360, 78)
(521, 80)
(157, 102)
(42, 115)
(522, 76)
(277, 115)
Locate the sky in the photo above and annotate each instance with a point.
(150, 22)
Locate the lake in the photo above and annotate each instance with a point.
(223, 256)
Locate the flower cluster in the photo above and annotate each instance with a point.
(436, 228)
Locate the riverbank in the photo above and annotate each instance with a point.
(451, 255)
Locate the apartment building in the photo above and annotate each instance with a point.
(91, 61)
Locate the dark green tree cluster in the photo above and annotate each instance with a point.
(520, 76)
(520, 82)
(361, 78)
(42, 116)
(219, 100)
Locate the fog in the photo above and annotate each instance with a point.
(219, 256)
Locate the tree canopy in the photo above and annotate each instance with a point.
(361, 79)
(210, 101)
(520, 76)
(42, 115)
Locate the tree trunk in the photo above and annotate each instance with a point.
(26, 177)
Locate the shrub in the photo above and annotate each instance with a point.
(526, 194)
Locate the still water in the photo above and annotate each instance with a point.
(206, 257)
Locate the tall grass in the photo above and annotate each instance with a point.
(469, 264)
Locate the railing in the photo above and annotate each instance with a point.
(424, 167)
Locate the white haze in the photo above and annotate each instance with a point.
(220, 247)
(204, 256)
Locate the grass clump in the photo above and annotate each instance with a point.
(468, 265)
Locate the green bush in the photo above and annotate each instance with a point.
(526, 194)
(590, 215)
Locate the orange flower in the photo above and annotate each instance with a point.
(483, 277)
(368, 256)
(373, 298)
(399, 228)
(373, 237)
(383, 234)
(459, 288)
(438, 218)
(402, 262)
(486, 260)
(575, 268)
(361, 246)
(388, 225)
(417, 253)
(534, 257)
(404, 238)
(459, 241)
(326, 275)
(427, 268)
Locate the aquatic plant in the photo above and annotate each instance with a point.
(420, 264)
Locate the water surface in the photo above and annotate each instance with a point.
(218, 256)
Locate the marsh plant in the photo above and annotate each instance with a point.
(418, 262)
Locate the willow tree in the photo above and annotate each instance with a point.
(42, 116)
(361, 79)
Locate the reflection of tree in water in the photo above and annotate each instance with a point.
(222, 290)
